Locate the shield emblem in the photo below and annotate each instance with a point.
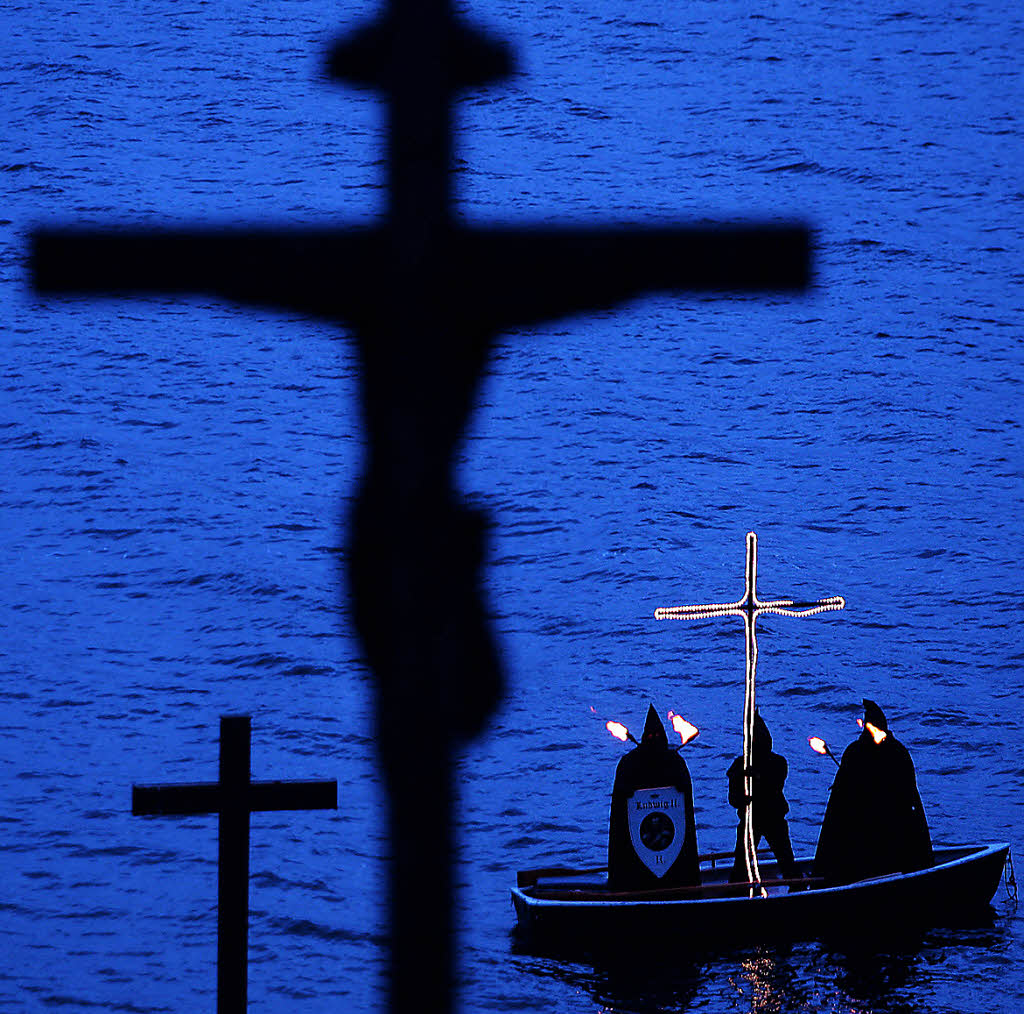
(657, 826)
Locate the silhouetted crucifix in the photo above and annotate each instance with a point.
(750, 607)
(233, 797)
(426, 294)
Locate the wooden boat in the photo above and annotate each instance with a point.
(575, 905)
(569, 907)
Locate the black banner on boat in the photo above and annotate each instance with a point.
(657, 826)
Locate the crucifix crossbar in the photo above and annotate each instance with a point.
(750, 608)
(234, 797)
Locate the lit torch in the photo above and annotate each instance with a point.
(876, 734)
(818, 745)
(619, 731)
(687, 730)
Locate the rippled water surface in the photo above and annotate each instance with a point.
(175, 474)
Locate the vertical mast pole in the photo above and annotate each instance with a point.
(750, 605)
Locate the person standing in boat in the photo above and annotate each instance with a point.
(875, 822)
(769, 772)
(652, 837)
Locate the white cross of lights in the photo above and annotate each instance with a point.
(750, 608)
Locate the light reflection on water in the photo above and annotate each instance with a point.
(878, 976)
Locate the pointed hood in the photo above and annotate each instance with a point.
(762, 737)
(654, 731)
(873, 714)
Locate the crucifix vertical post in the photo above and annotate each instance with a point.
(749, 608)
(233, 858)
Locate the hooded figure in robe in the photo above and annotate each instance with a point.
(769, 772)
(652, 837)
(874, 822)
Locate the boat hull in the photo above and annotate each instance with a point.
(960, 885)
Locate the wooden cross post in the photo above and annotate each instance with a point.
(750, 608)
(233, 797)
(426, 295)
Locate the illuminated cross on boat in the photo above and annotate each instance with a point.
(750, 607)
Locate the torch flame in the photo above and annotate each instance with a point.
(618, 730)
(687, 730)
(876, 734)
(818, 745)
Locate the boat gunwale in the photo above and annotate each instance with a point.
(965, 854)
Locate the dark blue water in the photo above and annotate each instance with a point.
(175, 474)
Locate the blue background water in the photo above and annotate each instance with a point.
(175, 474)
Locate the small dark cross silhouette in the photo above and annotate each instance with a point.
(233, 797)
(426, 294)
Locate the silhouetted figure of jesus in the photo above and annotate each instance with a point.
(652, 837)
(874, 822)
(768, 771)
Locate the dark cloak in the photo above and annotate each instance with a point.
(769, 772)
(651, 764)
(875, 822)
